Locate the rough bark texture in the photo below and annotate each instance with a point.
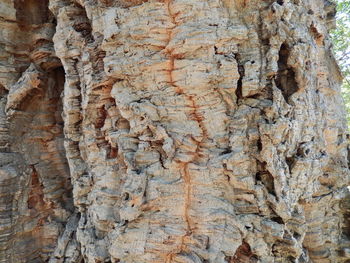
(180, 131)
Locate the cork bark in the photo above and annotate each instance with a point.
(171, 131)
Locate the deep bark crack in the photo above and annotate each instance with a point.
(241, 72)
(286, 78)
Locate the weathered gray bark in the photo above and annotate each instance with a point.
(171, 131)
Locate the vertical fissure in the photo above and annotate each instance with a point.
(241, 72)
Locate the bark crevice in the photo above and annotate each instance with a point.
(285, 80)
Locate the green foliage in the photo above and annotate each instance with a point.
(341, 42)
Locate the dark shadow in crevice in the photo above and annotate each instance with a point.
(285, 80)
(83, 25)
(243, 254)
(241, 72)
(266, 178)
(32, 12)
(290, 163)
(3, 91)
(278, 220)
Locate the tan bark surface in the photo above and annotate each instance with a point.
(185, 131)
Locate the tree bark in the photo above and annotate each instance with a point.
(171, 131)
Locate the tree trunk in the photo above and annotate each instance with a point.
(168, 131)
